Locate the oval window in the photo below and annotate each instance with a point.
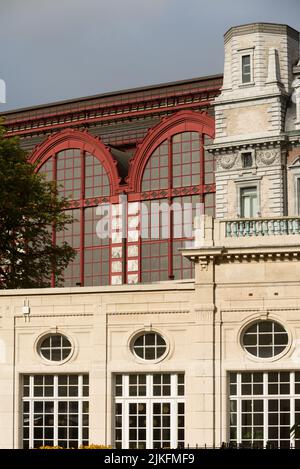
(55, 347)
(149, 346)
(265, 339)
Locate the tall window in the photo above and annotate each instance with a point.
(177, 183)
(263, 408)
(81, 178)
(298, 195)
(55, 410)
(149, 411)
(248, 202)
(246, 68)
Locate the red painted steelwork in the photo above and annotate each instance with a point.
(185, 121)
(71, 138)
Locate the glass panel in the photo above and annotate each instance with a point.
(146, 346)
(55, 347)
(246, 69)
(260, 339)
(42, 414)
(155, 168)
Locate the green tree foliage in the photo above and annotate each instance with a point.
(29, 208)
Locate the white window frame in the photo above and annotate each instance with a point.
(247, 182)
(265, 397)
(42, 348)
(243, 53)
(258, 333)
(174, 399)
(297, 194)
(294, 180)
(56, 399)
(251, 196)
(154, 347)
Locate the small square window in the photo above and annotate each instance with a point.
(247, 160)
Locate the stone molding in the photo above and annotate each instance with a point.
(227, 161)
(268, 157)
(120, 313)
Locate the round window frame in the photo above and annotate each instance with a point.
(140, 333)
(265, 359)
(45, 360)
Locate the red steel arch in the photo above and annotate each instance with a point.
(183, 121)
(82, 140)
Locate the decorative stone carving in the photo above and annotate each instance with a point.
(203, 264)
(226, 161)
(267, 157)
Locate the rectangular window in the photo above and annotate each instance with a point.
(298, 195)
(248, 202)
(55, 410)
(246, 68)
(263, 408)
(149, 411)
(247, 160)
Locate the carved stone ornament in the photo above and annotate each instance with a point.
(267, 157)
(227, 161)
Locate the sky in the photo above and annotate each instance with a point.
(53, 50)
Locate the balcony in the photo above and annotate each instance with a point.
(262, 227)
(276, 234)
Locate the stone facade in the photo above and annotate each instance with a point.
(251, 116)
(231, 335)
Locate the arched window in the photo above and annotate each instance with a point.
(175, 177)
(84, 173)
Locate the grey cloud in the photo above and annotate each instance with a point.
(59, 49)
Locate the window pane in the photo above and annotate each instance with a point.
(43, 414)
(246, 69)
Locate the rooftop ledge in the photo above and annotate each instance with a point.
(171, 285)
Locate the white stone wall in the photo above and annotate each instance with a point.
(266, 173)
(201, 322)
(251, 117)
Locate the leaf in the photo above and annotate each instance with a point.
(30, 208)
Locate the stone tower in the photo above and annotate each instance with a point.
(250, 143)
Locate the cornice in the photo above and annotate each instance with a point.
(124, 313)
(263, 143)
(243, 254)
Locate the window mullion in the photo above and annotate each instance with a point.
(54, 177)
(80, 386)
(125, 423)
(170, 214)
(31, 421)
(239, 408)
(55, 410)
(79, 422)
(265, 408)
(80, 399)
(202, 168)
(126, 386)
(292, 406)
(31, 410)
(149, 423)
(174, 423)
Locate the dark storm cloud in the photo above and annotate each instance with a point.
(59, 49)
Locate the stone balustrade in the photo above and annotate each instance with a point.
(262, 227)
(246, 232)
